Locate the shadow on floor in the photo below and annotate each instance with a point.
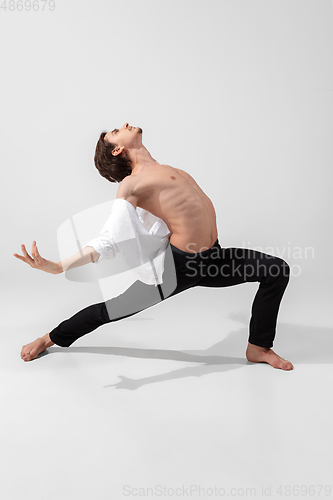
(298, 343)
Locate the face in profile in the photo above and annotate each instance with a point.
(127, 136)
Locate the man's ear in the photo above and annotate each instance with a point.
(118, 150)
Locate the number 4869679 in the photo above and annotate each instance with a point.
(34, 5)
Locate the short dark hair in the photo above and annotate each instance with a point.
(113, 168)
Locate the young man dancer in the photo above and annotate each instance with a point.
(172, 195)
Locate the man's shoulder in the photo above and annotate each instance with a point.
(126, 190)
(184, 174)
(126, 182)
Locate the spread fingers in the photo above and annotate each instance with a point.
(26, 255)
(35, 252)
(19, 257)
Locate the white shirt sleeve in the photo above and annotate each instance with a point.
(141, 238)
(104, 244)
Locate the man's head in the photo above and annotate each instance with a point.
(112, 155)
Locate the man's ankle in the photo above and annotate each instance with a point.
(258, 347)
(48, 342)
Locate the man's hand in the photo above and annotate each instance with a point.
(37, 262)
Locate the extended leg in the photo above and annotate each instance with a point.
(135, 299)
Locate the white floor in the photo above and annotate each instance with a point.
(166, 401)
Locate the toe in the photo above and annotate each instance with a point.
(32, 354)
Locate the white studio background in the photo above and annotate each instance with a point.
(239, 94)
(236, 92)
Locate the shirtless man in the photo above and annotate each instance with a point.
(172, 195)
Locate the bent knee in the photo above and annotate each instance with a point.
(285, 269)
(280, 269)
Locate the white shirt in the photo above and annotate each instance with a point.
(140, 238)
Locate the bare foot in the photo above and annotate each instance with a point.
(32, 350)
(257, 354)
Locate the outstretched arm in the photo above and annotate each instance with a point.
(81, 258)
(88, 254)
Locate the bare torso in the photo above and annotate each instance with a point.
(173, 195)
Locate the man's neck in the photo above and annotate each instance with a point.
(141, 160)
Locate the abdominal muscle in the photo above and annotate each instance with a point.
(175, 197)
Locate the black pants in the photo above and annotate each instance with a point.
(216, 267)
